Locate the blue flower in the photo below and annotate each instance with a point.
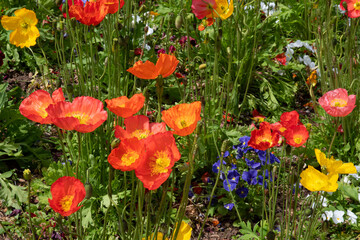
(273, 159)
(250, 177)
(261, 181)
(216, 166)
(242, 192)
(191, 193)
(252, 164)
(242, 148)
(229, 206)
(231, 181)
(233, 166)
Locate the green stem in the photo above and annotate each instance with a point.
(29, 209)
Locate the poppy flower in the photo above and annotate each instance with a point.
(67, 193)
(183, 118)
(124, 107)
(94, 11)
(184, 233)
(338, 103)
(34, 106)
(165, 66)
(257, 117)
(128, 155)
(139, 127)
(203, 8)
(161, 155)
(288, 119)
(84, 114)
(333, 166)
(224, 9)
(296, 135)
(70, 3)
(281, 58)
(263, 138)
(353, 8)
(23, 26)
(314, 180)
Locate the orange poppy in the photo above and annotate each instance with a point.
(34, 106)
(128, 155)
(263, 138)
(124, 107)
(296, 135)
(67, 193)
(161, 155)
(165, 66)
(84, 114)
(94, 11)
(139, 127)
(183, 118)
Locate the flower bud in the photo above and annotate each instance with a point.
(202, 66)
(89, 190)
(115, 143)
(178, 21)
(27, 174)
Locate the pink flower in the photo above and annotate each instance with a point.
(337, 103)
(353, 8)
(203, 8)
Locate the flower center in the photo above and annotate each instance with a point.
(66, 202)
(357, 5)
(24, 25)
(129, 158)
(159, 163)
(82, 117)
(338, 102)
(141, 134)
(42, 112)
(182, 124)
(297, 140)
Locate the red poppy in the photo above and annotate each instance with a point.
(67, 193)
(70, 3)
(165, 66)
(139, 127)
(281, 58)
(124, 107)
(263, 138)
(337, 103)
(94, 11)
(288, 119)
(183, 118)
(257, 117)
(278, 127)
(84, 114)
(296, 135)
(161, 155)
(34, 106)
(353, 8)
(128, 155)
(203, 8)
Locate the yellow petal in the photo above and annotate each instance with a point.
(184, 232)
(27, 15)
(10, 23)
(313, 180)
(224, 9)
(321, 158)
(159, 236)
(332, 185)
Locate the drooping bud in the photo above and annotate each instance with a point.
(178, 21)
(27, 174)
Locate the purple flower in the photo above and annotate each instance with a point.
(250, 177)
(233, 175)
(252, 164)
(229, 206)
(242, 192)
(273, 159)
(242, 148)
(261, 181)
(172, 38)
(15, 212)
(183, 40)
(216, 166)
(233, 166)
(160, 51)
(193, 41)
(172, 49)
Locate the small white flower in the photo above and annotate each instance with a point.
(357, 169)
(352, 216)
(359, 197)
(149, 31)
(347, 180)
(327, 215)
(147, 47)
(324, 201)
(338, 216)
(355, 176)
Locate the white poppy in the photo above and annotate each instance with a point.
(338, 216)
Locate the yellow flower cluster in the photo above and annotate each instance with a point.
(315, 180)
(184, 233)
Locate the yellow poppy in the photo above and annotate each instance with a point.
(224, 9)
(334, 166)
(183, 234)
(23, 25)
(314, 180)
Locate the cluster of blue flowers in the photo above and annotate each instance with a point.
(252, 176)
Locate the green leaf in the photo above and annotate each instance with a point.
(7, 174)
(3, 96)
(349, 191)
(86, 214)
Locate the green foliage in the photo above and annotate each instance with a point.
(12, 195)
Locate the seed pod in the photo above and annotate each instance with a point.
(178, 21)
(190, 17)
(89, 190)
